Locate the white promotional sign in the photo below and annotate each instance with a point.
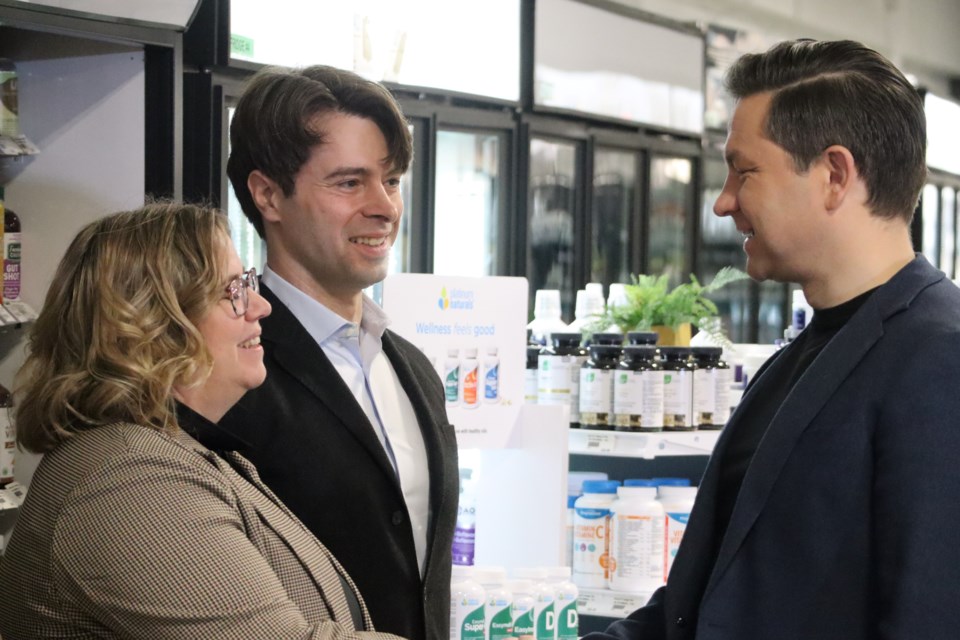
(474, 332)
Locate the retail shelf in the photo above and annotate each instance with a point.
(610, 604)
(11, 496)
(642, 445)
(15, 314)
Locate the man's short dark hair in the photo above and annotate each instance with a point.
(841, 92)
(271, 126)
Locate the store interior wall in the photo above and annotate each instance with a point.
(920, 36)
(82, 103)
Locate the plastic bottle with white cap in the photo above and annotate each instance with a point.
(466, 605)
(565, 596)
(544, 621)
(636, 538)
(588, 308)
(522, 609)
(677, 503)
(546, 315)
(591, 536)
(499, 601)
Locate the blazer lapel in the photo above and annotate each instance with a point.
(297, 352)
(812, 391)
(426, 418)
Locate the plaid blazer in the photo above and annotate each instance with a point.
(127, 532)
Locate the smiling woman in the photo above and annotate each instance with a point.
(151, 331)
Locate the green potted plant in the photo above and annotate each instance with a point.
(651, 306)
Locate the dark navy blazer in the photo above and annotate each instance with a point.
(847, 520)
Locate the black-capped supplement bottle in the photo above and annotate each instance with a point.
(705, 386)
(558, 373)
(530, 374)
(606, 337)
(638, 390)
(596, 386)
(711, 366)
(678, 372)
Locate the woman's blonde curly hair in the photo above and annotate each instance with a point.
(117, 330)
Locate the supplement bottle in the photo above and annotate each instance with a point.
(11, 255)
(607, 337)
(544, 621)
(677, 389)
(637, 562)
(645, 338)
(565, 595)
(558, 379)
(677, 503)
(723, 376)
(588, 308)
(470, 374)
(491, 377)
(8, 447)
(498, 616)
(596, 386)
(571, 513)
(530, 374)
(591, 534)
(711, 388)
(9, 109)
(642, 337)
(465, 530)
(704, 386)
(466, 605)
(522, 609)
(451, 377)
(546, 315)
(638, 390)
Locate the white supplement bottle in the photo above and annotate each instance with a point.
(499, 601)
(491, 377)
(451, 377)
(544, 621)
(522, 609)
(466, 605)
(636, 540)
(591, 533)
(677, 503)
(470, 375)
(565, 595)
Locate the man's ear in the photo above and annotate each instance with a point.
(266, 194)
(843, 175)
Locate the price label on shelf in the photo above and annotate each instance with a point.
(609, 604)
(601, 442)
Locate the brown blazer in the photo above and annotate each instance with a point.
(127, 532)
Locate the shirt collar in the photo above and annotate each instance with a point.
(321, 322)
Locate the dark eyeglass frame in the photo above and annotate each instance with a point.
(237, 291)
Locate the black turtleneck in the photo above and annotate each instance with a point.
(771, 390)
(220, 441)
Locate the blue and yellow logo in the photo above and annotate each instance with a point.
(460, 299)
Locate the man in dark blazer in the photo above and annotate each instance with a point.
(828, 508)
(350, 429)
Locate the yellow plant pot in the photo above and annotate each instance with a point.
(678, 336)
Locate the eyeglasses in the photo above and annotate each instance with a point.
(237, 291)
